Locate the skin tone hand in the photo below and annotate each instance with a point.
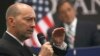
(58, 36)
(46, 50)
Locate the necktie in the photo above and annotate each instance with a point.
(71, 36)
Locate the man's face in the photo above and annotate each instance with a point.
(24, 23)
(66, 13)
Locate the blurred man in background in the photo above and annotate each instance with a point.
(78, 33)
(20, 19)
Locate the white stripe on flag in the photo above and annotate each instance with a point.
(36, 39)
(50, 18)
(43, 26)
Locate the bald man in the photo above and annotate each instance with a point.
(20, 19)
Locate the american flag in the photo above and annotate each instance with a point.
(44, 19)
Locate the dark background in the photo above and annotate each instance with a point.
(3, 7)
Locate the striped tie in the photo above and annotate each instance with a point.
(71, 36)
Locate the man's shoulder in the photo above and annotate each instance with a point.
(2, 42)
(87, 26)
(5, 44)
(87, 23)
(6, 48)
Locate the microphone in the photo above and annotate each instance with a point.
(41, 38)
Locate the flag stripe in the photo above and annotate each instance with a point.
(33, 42)
(47, 21)
(44, 27)
(36, 38)
(38, 29)
(50, 18)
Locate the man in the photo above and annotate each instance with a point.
(20, 19)
(78, 33)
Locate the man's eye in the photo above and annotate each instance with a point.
(28, 18)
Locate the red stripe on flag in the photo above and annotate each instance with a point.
(33, 42)
(38, 29)
(47, 21)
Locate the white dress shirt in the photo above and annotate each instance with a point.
(70, 31)
(73, 26)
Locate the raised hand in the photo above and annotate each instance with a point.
(58, 36)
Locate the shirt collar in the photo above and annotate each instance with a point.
(15, 38)
(73, 24)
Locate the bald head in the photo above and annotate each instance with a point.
(20, 20)
(15, 9)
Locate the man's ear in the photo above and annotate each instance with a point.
(11, 21)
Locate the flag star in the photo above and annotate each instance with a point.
(47, 9)
(40, 15)
(34, 7)
(40, 8)
(40, 1)
(34, 1)
(46, 2)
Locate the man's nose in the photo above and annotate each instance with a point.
(32, 24)
(66, 13)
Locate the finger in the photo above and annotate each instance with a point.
(60, 30)
(48, 47)
(51, 50)
(47, 43)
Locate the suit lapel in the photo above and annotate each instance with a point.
(10, 39)
(79, 33)
(17, 46)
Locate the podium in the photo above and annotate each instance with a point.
(88, 51)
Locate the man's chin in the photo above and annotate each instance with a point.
(30, 35)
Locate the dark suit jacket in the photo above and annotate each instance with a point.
(10, 47)
(86, 34)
